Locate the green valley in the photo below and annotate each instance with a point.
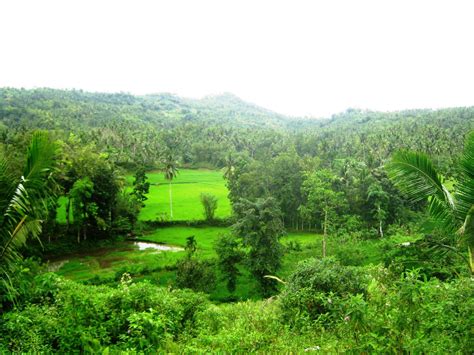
(216, 226)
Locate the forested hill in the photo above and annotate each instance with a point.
(65, 109)
(203, 132)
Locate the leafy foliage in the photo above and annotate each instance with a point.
(260, 226)
(23, 204)
(229, 255)
(209, 203)
(90, 318)
(192, 273)
(316, 285)
(414, 173)
(140, 186)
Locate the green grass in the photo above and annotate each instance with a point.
(205, 237)
(186, 191)
(158, 267)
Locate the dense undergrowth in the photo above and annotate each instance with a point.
(324, 306)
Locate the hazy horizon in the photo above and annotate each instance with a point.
(329, 116)
(298, 58)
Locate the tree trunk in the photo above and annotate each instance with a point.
(171, 203)
(325, 232)
(471, 258)
(380, 224)
(68, 208)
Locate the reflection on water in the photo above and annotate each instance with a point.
(161, 247)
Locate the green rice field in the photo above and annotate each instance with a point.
(186, 191)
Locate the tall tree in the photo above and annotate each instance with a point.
(171, 171)
(141, 186)
(323, 200)
(415, 174)
(229, 255)
(260, 226)
(83, 208)
(379, 199)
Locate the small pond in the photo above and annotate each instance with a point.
(156, 246)
(103, 254)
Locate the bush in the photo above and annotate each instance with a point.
(245, 327)
(126, 210)
(428, 257)
(90, 318)
(402, 315)
(412, 316)
(209, 203)
(349, 254)
(22, 277)
(195, 274)
(315, 288)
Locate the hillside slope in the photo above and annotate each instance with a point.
(133, 129)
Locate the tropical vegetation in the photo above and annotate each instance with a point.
(279, 234)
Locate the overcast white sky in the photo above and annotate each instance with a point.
(294, 57)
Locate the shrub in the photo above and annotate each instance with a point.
(349, 254)
(126, 210)
(428, 257)
(244, 327)
(316, 286)
(209, 203)
(90, 318)
(412, 316)
(195, 274)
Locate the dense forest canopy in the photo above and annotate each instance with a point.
(137, 129)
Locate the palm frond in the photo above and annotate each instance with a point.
(18, 237)
(414, 174)
(23, 202)
(465, 184)
(39, 165)
(467, 232)
(7, 187)
(443, 216)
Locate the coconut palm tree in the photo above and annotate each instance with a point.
(415, 175)
(379, 198)
(23, 202)
(171, 171)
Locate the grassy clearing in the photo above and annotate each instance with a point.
(186, 191)
(159, 266)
